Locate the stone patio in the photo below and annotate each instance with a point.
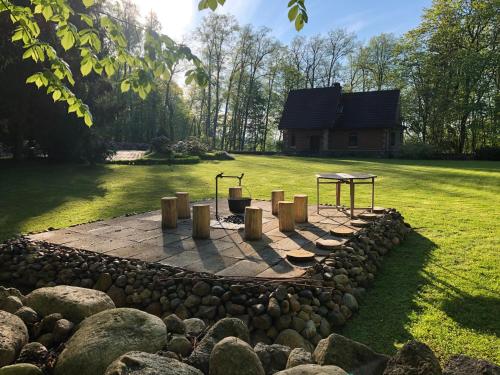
(225, 253)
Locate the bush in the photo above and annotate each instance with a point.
(190, 146)
(218, 155)
(181, 160)
(161, 145)
(418, 151)
(488, 153)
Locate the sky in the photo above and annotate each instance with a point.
(366, 18)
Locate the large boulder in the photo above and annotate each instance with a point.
(226, 327)
(141, 363)
(13, 336)
(313, 370)
(297, 357)
(21, 369)
(232, 356)
(273, 357)
(72, 302)
(105, 336)
(414, 358)
(351, 356)
(194, 326)
(293, 339)
(464, 365)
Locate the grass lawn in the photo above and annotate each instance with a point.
(442, 286)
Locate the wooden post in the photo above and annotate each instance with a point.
(351, 184)
(201, 221)
(253, 223)
(235, 192)
(276, 196)
(300, 205)
(169, 212)
(286, 215)
(183, 211)
(337, 194)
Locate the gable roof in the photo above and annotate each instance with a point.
(310, 108)
(324, 108)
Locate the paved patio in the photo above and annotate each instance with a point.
(225, 253)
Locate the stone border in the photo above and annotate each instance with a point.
(312, 306)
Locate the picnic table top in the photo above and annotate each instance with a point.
(345, 176)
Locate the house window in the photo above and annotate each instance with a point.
(353, 139)
(292, 140)
(393, 138)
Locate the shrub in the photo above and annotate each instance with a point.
(488, 153)
(218, 155)
(190, 146)
(161, 145)
(418, 151)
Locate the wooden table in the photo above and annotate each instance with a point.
(352, 179)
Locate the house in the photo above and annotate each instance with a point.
(327, 120)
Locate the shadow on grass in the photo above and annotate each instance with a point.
(385, 311)
(35, 188)
(474, 312)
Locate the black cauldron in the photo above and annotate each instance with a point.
(237, 205)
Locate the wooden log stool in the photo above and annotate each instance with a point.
(235, 192)
(169, 212)
(183, 211)
(286, 216)
(276, 196)
(300, 204)
(201, 221)
(253, 223)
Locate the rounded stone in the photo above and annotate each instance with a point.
(142, 363)
(13, 336)
(232, 356)
(21, 369)
(179, 344)
(174, 324)
(293, 339)
(28, 315)
(62, 329)
(72, 302)
(105, 336)
(11, 304)
(350, 301)
(194, 326)
(297, 357)
(33, 352)
(201, 288)
(313, 370)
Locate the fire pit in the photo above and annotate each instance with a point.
(237, 205)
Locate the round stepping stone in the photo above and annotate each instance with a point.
(300, 255)
(368, 216)
(343, 231)
(359, 223)
(378, 210)
(328, 244)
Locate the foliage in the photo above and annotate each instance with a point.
(161, 145)
(190, 146)
(159, 159)
(488, 153)
(440, 286)
(79, 30)
(418, 150)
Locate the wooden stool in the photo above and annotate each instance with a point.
(300, 203)
(183, 211)
(253, 223)
(169, 212)
(201, 221)
(286, 216)
(235, 192)
(276, 196)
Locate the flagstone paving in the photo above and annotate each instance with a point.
(226, 253)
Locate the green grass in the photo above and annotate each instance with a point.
(441, 286)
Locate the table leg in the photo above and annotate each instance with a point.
(373, 193)
(317, 195)
(351, 182)
(337, 196)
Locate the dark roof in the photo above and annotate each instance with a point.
(320, 109)
(310, 108)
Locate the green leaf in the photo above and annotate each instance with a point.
(299, 22)
(56, 95)
(47, 12)
(125, 85)
(88, 3)
(292, 13)
(212, 4)
(110, 69)
(86, 67)
(87, 117)
(68, 40)
(18, 35)
(291, 2)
